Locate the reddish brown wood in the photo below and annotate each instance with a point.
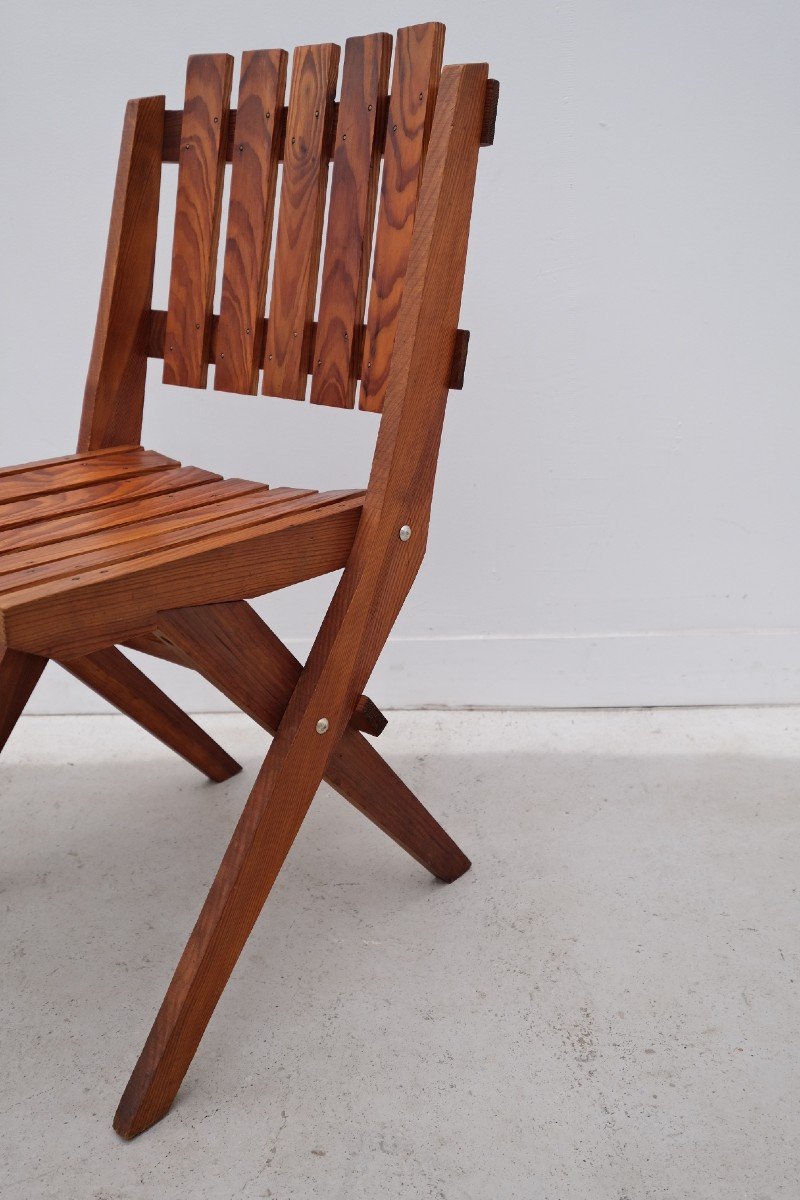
(252, 196)
(116, 679)
(75, 615)
(170, 150)
(158, 321)
(368, 717)
(415, 78)
(302, 207)
(114, 396)
(336, 357)
(197, 217)
(128, 547)
(19, 674)
(39, 519)
(379, 572)
(80, 473)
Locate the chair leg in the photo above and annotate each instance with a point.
(234, 650)
(267, 827)
(19, 674)
(115, 678)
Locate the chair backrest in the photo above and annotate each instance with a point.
(339, 330)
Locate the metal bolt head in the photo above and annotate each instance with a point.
(322, 725)
(405, 533)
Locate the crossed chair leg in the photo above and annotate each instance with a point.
(231, 647)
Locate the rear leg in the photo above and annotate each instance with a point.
(19, 674)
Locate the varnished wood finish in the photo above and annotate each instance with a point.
(50, 516)
(104, 468)
(234, 650)
(125, 546)
(197, 218)
(379, 572)
(116, 679)
(415, 77)
(170, 150)
(19, 674)
(302, 207)
(336, 357)
(114, 396)
(75, 614)
(158, 323)
(253, 178)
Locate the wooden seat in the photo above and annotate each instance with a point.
(138, 533)
(120, 547)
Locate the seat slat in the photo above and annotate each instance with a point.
(415, 78)
(64, 476)
(253, 178)
(271, 508)
(85, 532)
(130, 541)
(197, 218)
(65, 458)
(302, 207)
(113, 604)
(23, 518)
(351, 214)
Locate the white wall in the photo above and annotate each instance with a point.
(616, 513)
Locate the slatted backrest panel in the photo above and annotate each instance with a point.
(197, 216)
(256, 154)
(360, 131)
(415, 79)
(300, 218)
(311, 133)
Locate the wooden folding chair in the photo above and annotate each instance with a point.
(120, 546)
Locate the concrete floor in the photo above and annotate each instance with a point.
(604, 1008)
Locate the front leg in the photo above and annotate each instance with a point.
(274, 812)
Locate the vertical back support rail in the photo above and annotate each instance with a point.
(114, 397)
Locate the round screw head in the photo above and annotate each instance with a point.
(405, 533)
(322, 725)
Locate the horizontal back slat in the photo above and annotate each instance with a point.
(252, 195)
(302, 206)
(197, 217)
(351, 214)
(415, 77)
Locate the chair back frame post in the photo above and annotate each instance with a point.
(113, 400)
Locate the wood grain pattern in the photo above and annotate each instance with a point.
(336, 357)
(302, 207)
(137, 541)
(40, 536)
(377, 578)
(197, 218)
(80, 473)
(19, 674)
(111, 604)
(238, 653)
(126, 546)
(115, 678)
(113, 399)
(158, 322)
(415, 77)
(170, 150)
(253, 179)
(196, 507)
(31, 519)
(23, 468)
